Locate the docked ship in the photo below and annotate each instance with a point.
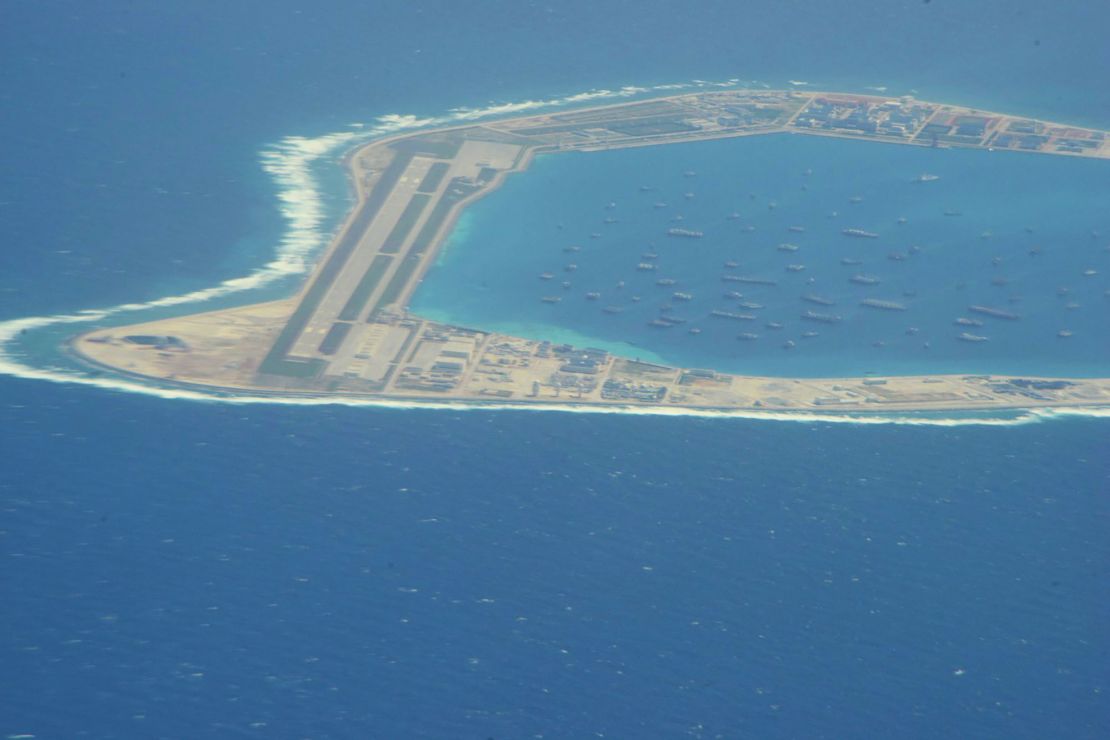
(687, 233)
(859, 233)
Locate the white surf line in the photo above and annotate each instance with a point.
(290, 163)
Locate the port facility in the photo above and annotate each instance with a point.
(348, 331)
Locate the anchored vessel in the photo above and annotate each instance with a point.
(349, 330)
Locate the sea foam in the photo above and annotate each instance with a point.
(290, 164)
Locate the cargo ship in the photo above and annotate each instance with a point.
(859, 233)
(864, 279)
(818, 299)
(882, 305)
(753, 280)
(821, 318)
(685, 233)
(732, 315)
(994, 312)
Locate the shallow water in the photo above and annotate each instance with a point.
(1032, 239)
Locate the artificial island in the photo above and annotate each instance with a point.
(349, 332)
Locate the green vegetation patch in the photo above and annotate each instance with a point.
(456, 191)
(434, 177)
(365, 288)
(651, 127)
(302, 369)
(399, 281)
(401, 229)
(441, 149)
(334, 338)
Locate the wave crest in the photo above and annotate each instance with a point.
(290, 163)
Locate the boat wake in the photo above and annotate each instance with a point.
(290, 163)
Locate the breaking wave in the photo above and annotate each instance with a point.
(290, 163)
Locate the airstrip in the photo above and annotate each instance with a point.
(349, 332)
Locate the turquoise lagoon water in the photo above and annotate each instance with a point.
(1022, 233)
(180, 569)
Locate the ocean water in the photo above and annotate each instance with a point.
(182, 568)
(1032, 238)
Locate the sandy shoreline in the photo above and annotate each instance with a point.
(388, 354)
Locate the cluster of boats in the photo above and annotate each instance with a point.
(744, 310)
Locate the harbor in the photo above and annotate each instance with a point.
(876, 275)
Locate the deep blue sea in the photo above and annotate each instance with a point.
(180, 569)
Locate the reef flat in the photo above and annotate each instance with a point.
(349, 331)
